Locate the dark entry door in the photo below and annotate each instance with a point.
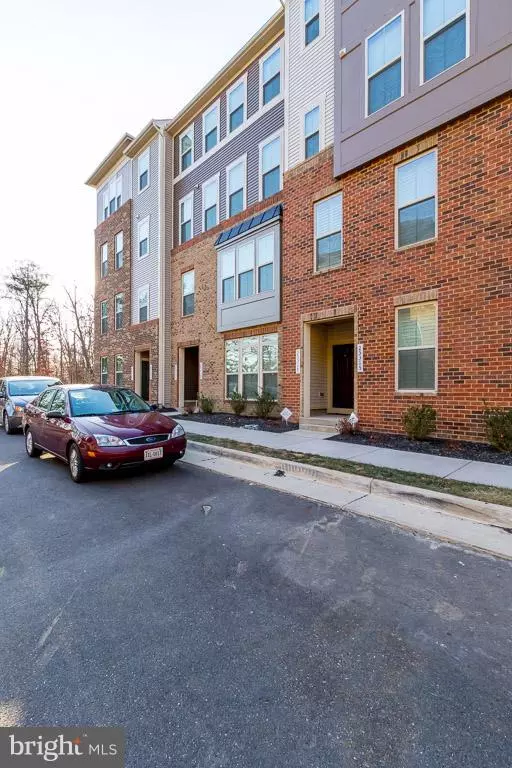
(343, 376)
(191, 373)
(144, 379)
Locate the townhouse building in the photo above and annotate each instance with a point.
(397, 257)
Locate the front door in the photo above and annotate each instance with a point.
(191, 387)
(144, 379)
(343, 376)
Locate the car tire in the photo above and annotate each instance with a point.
(76, 464)
(7, 424)
(31, 449)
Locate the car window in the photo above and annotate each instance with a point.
(59, 401)
(101, 402)
(29, 387)
(45, 400)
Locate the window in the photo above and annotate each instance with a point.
(236, 105)
(236, 186)
(59, 402)
(188, 293)
(210, 204)
(144, 238)
(119, 371)
(445, 35)
(384, 63)
(265, 263)
(104, 260)
(328, 227)
(312, 132)
(187, 148)
(271, 76)
(251, 366)
(118, 241)
(45, 400)
(270, 164)
(112, 189)
(417, 200)
(119, 192)
(144, 304)
(211, 128)
(103, 371)
(143, 170)
(186, 216)
(105, 205)
(417, 348)
(119, 310)
(228, 270)
(311, 20)
(248, 268)
(103, 317)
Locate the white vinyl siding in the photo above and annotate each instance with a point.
(416, 348)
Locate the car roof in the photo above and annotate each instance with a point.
(30, 378)
(71, 387)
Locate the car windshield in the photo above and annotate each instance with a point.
(29, 387)
(101, 402)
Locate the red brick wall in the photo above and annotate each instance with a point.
(469, 265)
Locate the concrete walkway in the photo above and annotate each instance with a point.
(302, 441)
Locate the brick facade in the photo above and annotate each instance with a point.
(131, 338)
(467, 269)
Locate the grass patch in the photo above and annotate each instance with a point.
(488, 493)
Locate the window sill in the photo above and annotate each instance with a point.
(400, 248)
(426, 392)
(327, 269)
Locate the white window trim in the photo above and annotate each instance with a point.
(146, 153)
(215, 105)
(189, 132)
(240, 341)
(321, 20)
(216, 179)
(183, 294)
(233, 87)
(277, 135)
(139, 225)
(280, 46)
(402, 57)
(436, 347)
(143, 289)
(320, 103)
(190, 196)
(399, 247)
(241, 159)
(422, 41)
(336, 266)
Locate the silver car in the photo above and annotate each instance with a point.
(15, 393)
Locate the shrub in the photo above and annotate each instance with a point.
(344, 427)
(264, 405)
(238, 402)
(499, 428)
(207, 404)
(419, 421)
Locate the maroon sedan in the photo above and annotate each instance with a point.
(100, 428)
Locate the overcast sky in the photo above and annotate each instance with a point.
(77, 74)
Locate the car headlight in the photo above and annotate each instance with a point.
(108, 441)
(178, 431)
(18, 409)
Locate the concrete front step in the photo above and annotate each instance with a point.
(326, 425)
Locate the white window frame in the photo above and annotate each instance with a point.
(240, 341)
(190, 133)
(321, 25)
(183, 294)
(117, 371)
(230, 90)
(106, 204)
(278, 46)
(315, 255)
(116, 326)
(143, 222)
(183, 200)
(234, 248)
(143, 155)
(400, 16)
(216, 106)
(399, 247)
(229, 168)
(214, 179)
(262, 145)
(103, 259)
(435, 32)
(103, 305)
(102, 383)
(143, 289)
(434, 391)
(320, 104)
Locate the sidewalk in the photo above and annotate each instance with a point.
(302, 441)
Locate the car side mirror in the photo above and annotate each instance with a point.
(154, 407)
(55, 415)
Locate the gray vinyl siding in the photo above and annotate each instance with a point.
(253, 89)
(146, 271)
(125, 173)
(246, 142)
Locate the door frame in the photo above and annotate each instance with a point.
(181, 371)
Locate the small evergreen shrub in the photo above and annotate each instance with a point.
(499, 428)
(207, 404)
(264, 404)
(419, 421)
(238, 403)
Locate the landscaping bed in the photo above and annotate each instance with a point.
(454, 449)
(230, 420)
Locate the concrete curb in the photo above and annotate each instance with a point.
(482, 512)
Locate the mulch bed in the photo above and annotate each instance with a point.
(453, 449)
(230, 420)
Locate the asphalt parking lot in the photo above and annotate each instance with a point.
(223, 625)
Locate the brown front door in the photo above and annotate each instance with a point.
(191, 373)
(343, 376)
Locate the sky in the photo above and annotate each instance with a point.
(77, 75)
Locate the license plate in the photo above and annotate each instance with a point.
(153, 453)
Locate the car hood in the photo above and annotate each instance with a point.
(23, 400)
(126, 425)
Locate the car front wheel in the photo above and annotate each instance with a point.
(31, 449)
(7, 424)
(76, 464)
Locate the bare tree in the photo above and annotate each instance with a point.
(83, 318)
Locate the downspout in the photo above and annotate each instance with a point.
(161, 266)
